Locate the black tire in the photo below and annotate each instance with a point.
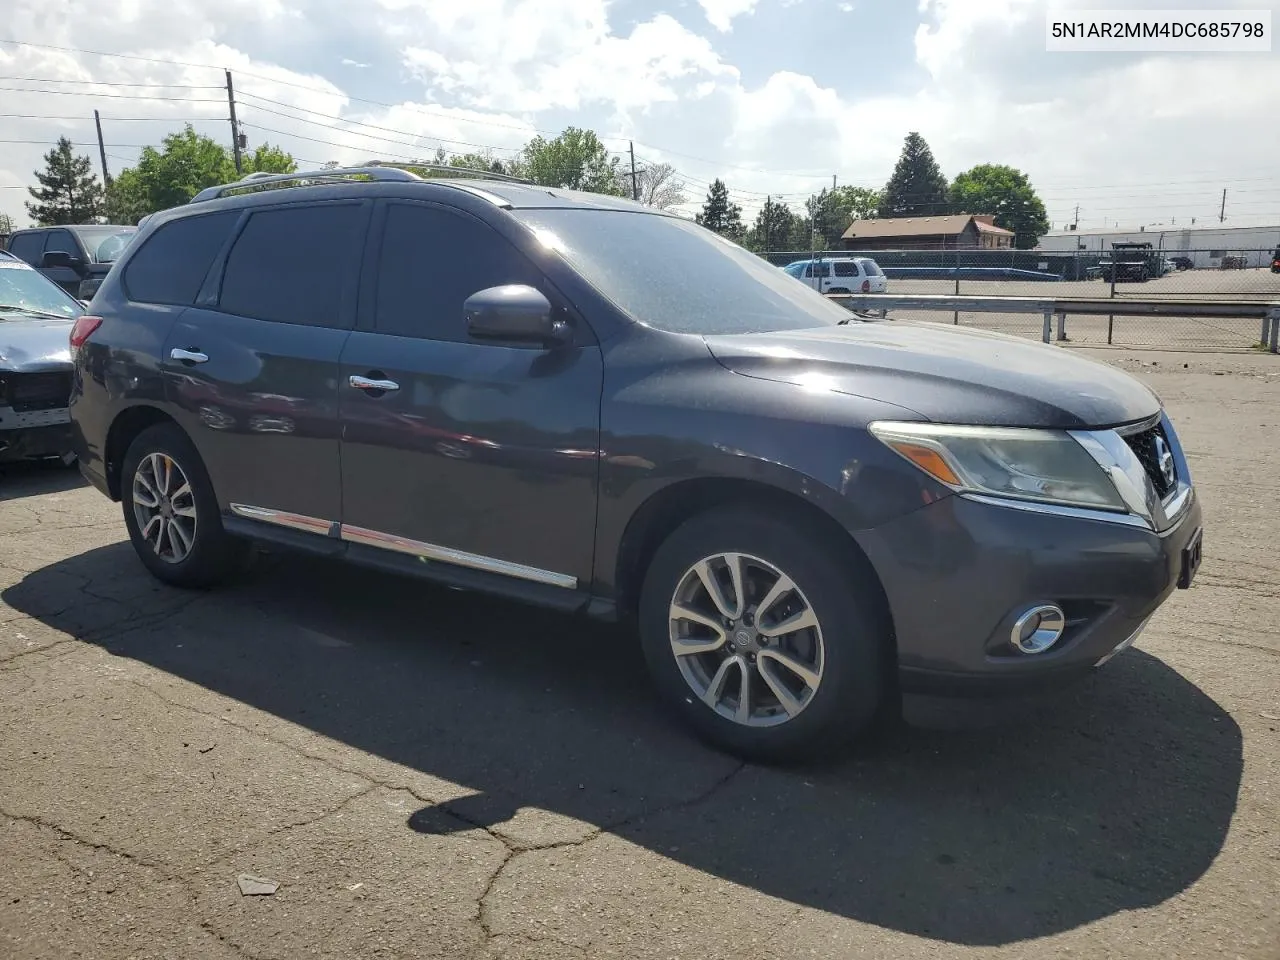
(840, 587)
(214, 555)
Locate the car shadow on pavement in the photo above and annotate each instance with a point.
(1116, 796)
(26, 478)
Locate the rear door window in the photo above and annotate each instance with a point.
(28, 247)
(172, 263)
(292, 264)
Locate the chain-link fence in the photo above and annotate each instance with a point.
(1135, 272)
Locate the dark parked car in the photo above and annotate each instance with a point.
(36, 317)
(1275, 261)
(76, 257)
(581, 402)
(1182, 263)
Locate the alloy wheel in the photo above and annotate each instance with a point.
(746, 639)
(164, 507)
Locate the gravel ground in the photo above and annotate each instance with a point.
(426, 773)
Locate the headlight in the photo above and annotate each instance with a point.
(1043, 465)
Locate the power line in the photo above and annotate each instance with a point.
(113, 96)
(359, 123)
(115, 83)
(42, 116)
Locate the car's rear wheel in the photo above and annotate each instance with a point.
(172, 514)
(764, 634)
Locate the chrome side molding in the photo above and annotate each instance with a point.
(413, 548)
(458, 558)
(283, 518)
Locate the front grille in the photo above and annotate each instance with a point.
(28, 392)
(1150, 445)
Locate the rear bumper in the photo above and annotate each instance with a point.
(959, 573)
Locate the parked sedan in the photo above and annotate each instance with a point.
(36, 317)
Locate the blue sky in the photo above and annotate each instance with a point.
(775, 96)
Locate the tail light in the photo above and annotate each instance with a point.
(83, 329)
(866, 286)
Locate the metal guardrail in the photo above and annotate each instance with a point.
(1050, 308)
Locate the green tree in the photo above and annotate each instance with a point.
(776, 227)
(857, 203)
(719, 214)
(917, 187)
(7, 225)
(576, 160)
(185, 164)
(69, 191)
(1007, 193)
(268, 159)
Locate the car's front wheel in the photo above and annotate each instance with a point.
(171, 512)
(763, 632)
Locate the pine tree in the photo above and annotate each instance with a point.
(69, 192)
(917, 187)
(719, 214)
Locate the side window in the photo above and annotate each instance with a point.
(289, 264)
(818, 270)
(846, 268)
(62, 240)
(28, 247)
(431, 260)
(170, 266)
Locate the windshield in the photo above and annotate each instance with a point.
(22, 288)
(677, 276)
(105, 244)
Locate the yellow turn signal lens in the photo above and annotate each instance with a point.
(928, 460)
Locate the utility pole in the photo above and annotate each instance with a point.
(102, 150)
(1222, 214)
(635, 188)
(235, 126)
(768, 209)
(1075, 224)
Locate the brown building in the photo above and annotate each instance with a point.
(962, 231)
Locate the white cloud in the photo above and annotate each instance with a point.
(720, 13)
(536, 55)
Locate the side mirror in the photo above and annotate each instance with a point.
(513, 312)
(60, 258)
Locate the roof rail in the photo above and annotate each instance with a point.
(371, 170)
(255, 181)
(470, 173)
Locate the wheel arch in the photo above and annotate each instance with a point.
(124, 428)
(668, 508)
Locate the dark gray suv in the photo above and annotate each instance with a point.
(584, 403)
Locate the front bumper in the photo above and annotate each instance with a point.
(35, 442)
(958, 573)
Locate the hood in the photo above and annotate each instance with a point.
(945, 374)
(30, 344)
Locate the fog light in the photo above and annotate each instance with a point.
(1038, 629)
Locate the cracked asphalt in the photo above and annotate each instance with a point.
(428, 773)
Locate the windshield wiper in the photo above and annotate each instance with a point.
(16, 308)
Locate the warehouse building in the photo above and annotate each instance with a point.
(1206, 246)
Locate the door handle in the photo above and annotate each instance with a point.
(188, 356)
(364, 383)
